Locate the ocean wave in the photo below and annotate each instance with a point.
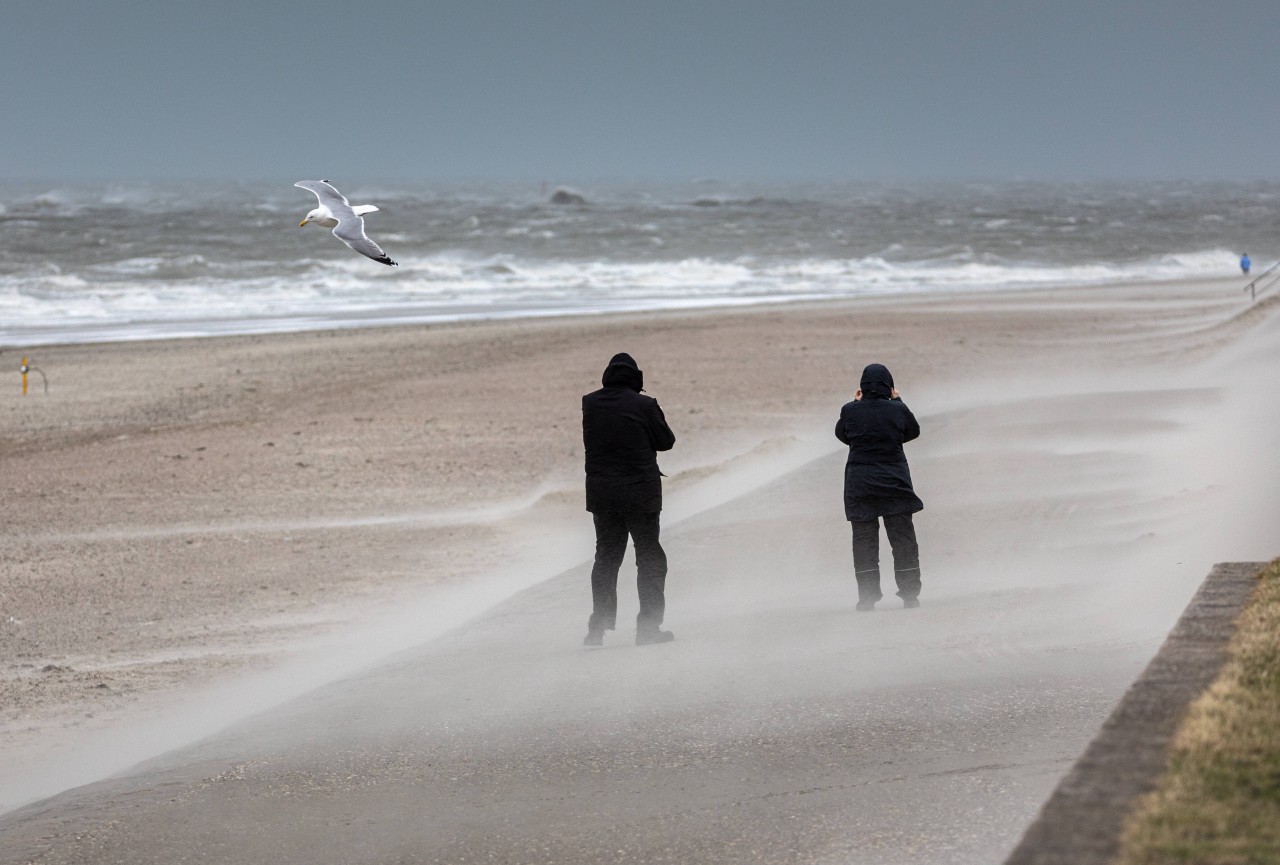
(192, 289)
(121, 259)
(158, 267)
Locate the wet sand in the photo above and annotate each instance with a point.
(186, 515)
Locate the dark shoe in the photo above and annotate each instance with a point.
(648, 638)
(593, 638)
(910, 603)
(865, 606)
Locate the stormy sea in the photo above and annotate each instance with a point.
(118, 261)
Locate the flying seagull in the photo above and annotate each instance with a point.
(346, 221)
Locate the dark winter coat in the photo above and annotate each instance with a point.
(622, 431)
(877, 481)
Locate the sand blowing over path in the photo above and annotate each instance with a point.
(1086, 456)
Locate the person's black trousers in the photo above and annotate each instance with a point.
(866, 556)
(612, 530)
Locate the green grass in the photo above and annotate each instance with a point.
(1219, 801)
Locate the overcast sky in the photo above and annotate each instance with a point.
(562, 90)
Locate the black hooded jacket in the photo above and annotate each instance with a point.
(877, 481)
(622, 431)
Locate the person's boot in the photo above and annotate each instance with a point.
(597, 624)
(910, 603)
(648, 635)
(868, 589)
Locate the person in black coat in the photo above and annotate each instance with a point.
(622, 431)
(877, 484)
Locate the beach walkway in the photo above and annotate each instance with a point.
(1068, 521)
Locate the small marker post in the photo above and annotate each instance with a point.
(26, 368)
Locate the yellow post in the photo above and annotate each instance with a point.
(23, 368)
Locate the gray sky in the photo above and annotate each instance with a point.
(567, 89)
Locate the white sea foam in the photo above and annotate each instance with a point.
(184, 291)
(85, 262)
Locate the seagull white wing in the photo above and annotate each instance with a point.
(350, 230)
(328, 196)
(350, 227)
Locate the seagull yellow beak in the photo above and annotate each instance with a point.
(302, 223)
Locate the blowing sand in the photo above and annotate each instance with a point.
(183, 513)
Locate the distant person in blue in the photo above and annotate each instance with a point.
(877, 485)
(1245, 264)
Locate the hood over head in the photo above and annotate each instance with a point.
(623, 371)
(877, 381)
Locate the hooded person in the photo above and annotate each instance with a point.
(877, 485)
(622, 432)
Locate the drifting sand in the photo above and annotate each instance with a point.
(183, 513)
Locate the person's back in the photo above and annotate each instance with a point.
(877, 485)
(622, 431)
(875, 427)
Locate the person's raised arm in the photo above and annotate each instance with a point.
(911, 429)
(660, 435)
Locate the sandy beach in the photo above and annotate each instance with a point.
(187, 515)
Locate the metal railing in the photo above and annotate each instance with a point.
(1253, 288)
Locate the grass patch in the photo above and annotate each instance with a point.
(1219, 800)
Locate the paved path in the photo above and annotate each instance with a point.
(1082, 822)
(781, 726)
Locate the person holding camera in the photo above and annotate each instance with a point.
(877, 486)
(622, 431)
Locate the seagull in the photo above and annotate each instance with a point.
(346, 221)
